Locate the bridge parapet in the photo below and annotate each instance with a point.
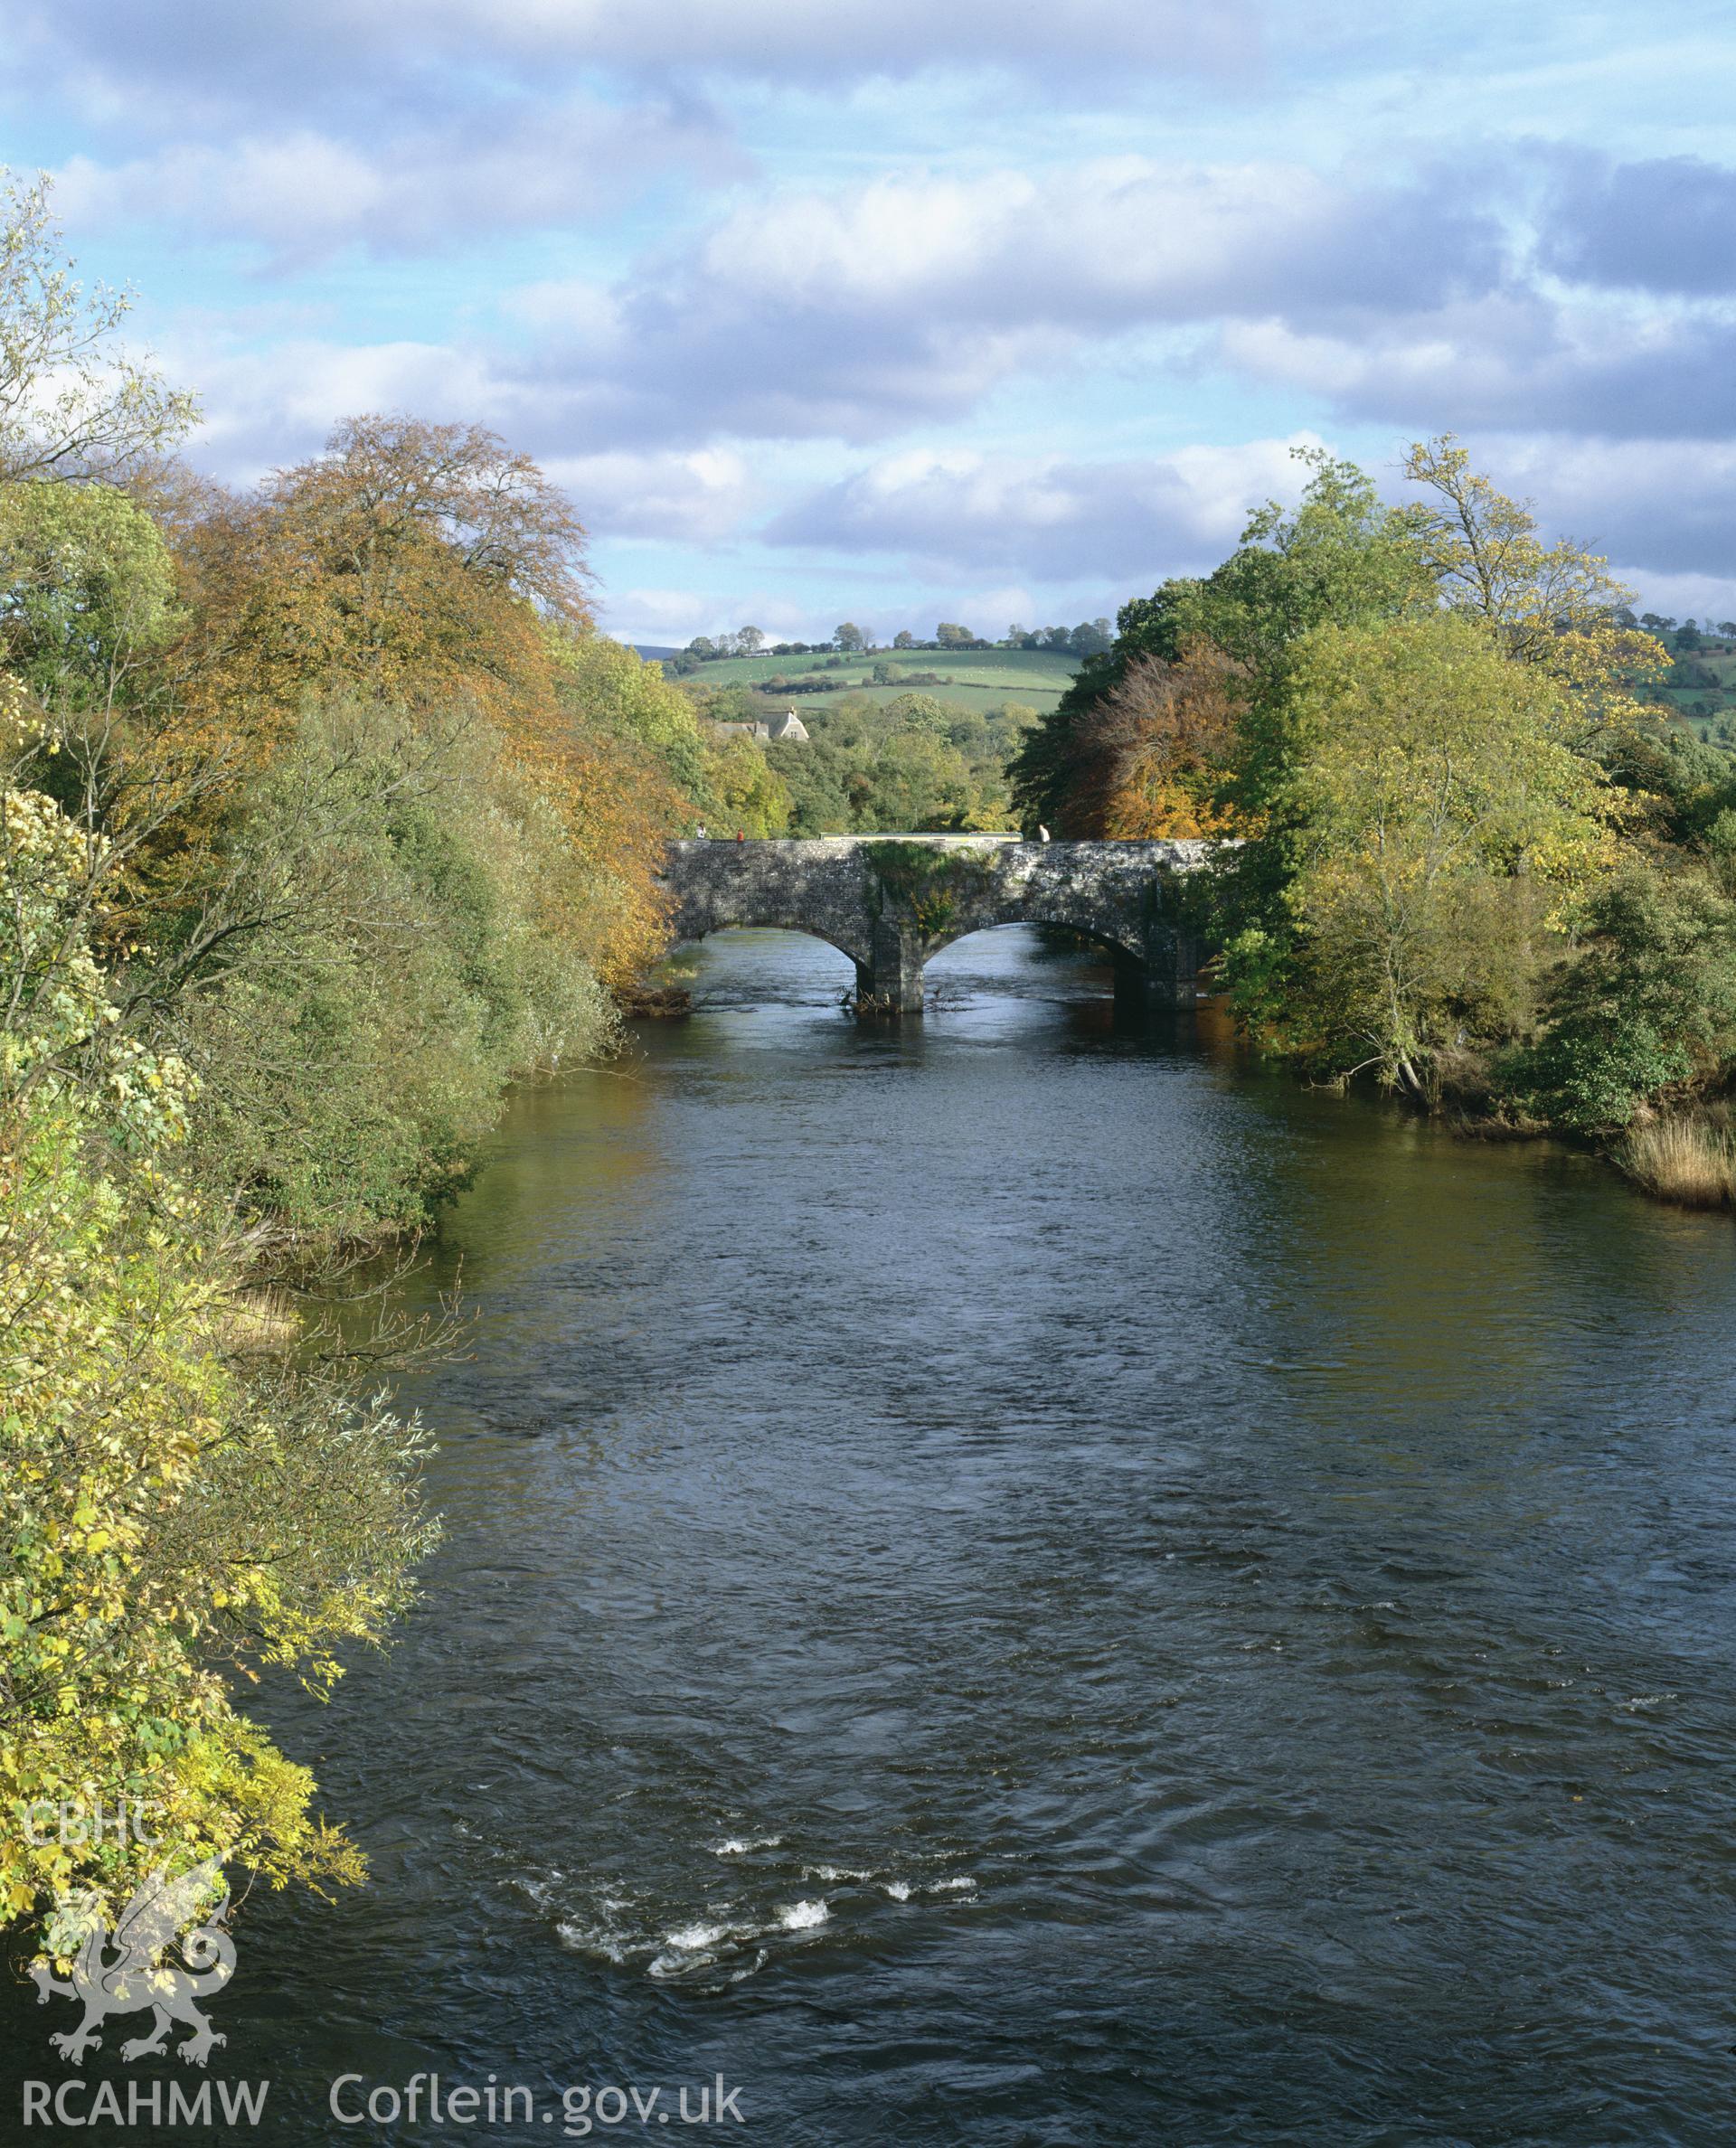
(891, 902)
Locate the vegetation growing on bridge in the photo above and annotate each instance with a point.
(928, 883)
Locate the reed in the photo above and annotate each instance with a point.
(1684, 1160)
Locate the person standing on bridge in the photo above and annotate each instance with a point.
(1042, 833)
(699, 833)
(739, 837)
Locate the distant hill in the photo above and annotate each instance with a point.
(975, 679)
(650, 651)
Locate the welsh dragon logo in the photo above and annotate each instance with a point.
(124, 1971)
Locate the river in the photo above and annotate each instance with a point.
(1012, 1581)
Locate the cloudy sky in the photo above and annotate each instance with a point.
(908, 309)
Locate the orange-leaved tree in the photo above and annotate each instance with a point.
(431, 568)
(1154, 752)
(414, 561)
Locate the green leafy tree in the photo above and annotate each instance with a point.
(410, 918)
(919, 711)
(744, 791)
(1340, 557)
(86, 592)
(1436, 817)
(917, 782)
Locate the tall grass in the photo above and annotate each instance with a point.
(1682, 1160)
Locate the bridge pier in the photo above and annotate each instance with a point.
(1166, 977)
(890, 981)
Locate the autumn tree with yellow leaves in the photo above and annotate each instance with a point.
(1556, 606)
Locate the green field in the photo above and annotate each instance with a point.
(978, 678)
(1701, 688)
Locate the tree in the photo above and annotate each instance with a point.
(412, 606)
(86, 592)
(702, 647)
(951, 635)
(73, 400)
(1551, 604)
(919, 711)
(1156, 750)
(903, 639)
(1341, 555)
(748, 641)
(421, 928)
(917, 781)
(413, 561)
(744, 791)
(849, 637)
(1436, 815)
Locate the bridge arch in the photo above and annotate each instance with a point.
(857, 952)
(1118, 943)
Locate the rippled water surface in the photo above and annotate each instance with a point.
(1018, 1582)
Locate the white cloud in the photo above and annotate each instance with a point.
(266, 407)
(698, 497)
(1707, 598)
(278, 55)
(958, 512)
(1512, 359)
(304, 194)
(856, 312)
(654, 614)
(1105, 242)
(1569, 304)
(1662, 508)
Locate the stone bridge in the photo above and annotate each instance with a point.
(889, 902)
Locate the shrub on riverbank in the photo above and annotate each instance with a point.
(1642, 1008)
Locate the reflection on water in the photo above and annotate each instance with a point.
(1012, 1581)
